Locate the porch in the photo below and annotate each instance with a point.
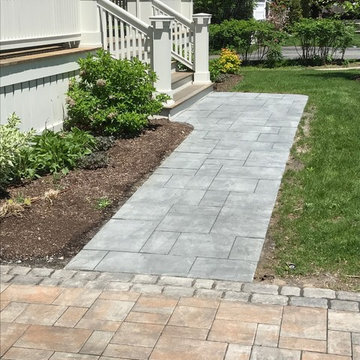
(41, 47)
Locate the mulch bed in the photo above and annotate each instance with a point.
(53, 230)
(229, 83)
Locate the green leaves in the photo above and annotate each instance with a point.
(112, 97)
(225, 9)
(321, 38)
(26, 155)
(13, 145)
(246, 36)
(58, 152)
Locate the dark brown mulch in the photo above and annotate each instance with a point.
(230, 82)
(52, 233)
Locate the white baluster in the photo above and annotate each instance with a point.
(116, 38)
(111, 38)
(122, 40)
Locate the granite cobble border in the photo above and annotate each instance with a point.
(256, 293)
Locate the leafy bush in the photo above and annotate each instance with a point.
(246, 37)
(321, 38)
(57, 152)
(112, 97)
(104, 143)
(93, 161)
(227, 63)
(225, 9)
(13, 145)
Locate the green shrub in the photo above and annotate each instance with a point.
(57, 152)
(112, 97)
(13, 145)
(227, 63)
(321, 38)
(225, 9)
(246, 37)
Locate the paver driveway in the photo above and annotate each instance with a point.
(53, 323)
(205, 211)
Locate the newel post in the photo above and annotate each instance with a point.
(161, 53)
(201, 54)
(90, 23)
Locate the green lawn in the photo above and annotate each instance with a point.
(318, 226)
(356, 41)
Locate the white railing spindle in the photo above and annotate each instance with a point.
(123, 34)
(181, 34)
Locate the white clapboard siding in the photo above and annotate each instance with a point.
(28, 23)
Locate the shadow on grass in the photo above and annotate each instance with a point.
(331, 74)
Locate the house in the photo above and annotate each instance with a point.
(261, 10)
(41, 41)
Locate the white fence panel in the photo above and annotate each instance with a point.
(28, 23)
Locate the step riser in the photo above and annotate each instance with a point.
(170, 113)
(180, 84)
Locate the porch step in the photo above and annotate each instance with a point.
(180, 79)
(186, 97)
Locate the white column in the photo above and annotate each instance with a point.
(201, 56)
(174, 4)
(141, 9)
(187, 8)
(90, 23)
(161, 53)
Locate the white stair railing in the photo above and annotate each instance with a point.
(182, 34)
(124, 35)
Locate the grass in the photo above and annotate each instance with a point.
(317, 223)
(356, 41)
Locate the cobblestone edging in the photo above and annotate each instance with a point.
(180, 286)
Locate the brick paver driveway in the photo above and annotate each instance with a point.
(54, 323)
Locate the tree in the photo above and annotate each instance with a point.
(295, 11)
(226, 9)
(343, 8)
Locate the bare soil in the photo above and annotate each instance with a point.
(51, 230)
(229, 83)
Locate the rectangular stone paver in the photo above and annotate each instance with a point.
(250, 313)
(22, 293)
(175, 348)
(219, 185)
(233, 332)
(343, 321)
(268, 353)
(132, 334)
(129, 325)
(192, 317)
(41, 314)
(305, 323)
(9, 334)
(145, 263)
(21, 354)
(53, 338)
(110, 310)
(236, 270)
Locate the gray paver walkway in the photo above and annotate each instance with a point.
(205, 211)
